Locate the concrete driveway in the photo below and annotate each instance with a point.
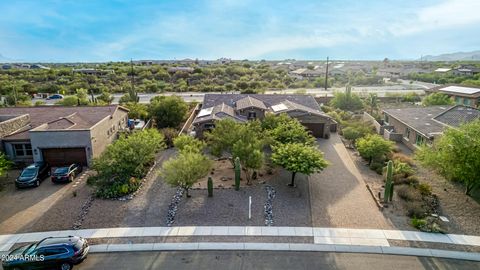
(338, 195)
(20, 208)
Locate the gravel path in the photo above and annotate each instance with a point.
(339, 197)
(228, 207)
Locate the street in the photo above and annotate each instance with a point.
(264, 260)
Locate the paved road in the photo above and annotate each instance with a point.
(338, 195)
(264, 260)
(401, 88)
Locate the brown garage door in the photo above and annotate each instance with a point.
(64, 156)
(315, 128)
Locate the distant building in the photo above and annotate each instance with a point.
(469, 96)
(466, 70)
(442, 70)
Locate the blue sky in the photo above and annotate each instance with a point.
(113, 30)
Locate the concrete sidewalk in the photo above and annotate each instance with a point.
(329, 236)
(421, 252)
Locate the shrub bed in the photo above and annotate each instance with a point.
(124, 163)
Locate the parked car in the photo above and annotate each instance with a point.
(66, 174)
(32, 175)
(55, 96)
(50, 253)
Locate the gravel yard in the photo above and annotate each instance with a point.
(228, 207)
(461, 210)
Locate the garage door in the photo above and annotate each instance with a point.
(64, 156)
(315, 128)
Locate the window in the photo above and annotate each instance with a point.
(22, 150)
(466, 102)
(407, 134)
(458, 100)
(386, 118)
(252, 115)
(419, 140)
(209, 126)
(54, 251)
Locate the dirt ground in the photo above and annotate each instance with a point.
(461, 210)
(223, 176)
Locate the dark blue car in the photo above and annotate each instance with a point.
(50, 253)
(55, 96)
(32, 175)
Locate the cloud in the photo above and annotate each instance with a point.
(447, 14)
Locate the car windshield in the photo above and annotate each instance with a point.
(62, 170)
(29, 172)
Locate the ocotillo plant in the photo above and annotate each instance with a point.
(238, 169)
(210, 187)
(388, 195)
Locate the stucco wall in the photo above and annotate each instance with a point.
(105, 132)
(60, 139)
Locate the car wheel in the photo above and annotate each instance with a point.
(37, 183)
(66, 266)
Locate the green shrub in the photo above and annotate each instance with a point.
(425, 189)
(402, 169)
(415, 209)
(125, 161)
(400, 180)
(399, 157)
(409, 193)
(418, 223)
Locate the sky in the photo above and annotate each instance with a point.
(120, 30)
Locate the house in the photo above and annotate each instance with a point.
(466, 70)
(415, 126)
(245, 107)
(59, 135)
(468, 96)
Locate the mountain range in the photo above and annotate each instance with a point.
(457, 56)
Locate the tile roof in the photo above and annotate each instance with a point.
(58, 117)
(434, 119)
(458, 115)
(420, 118)
(248, 102)
(269, 100)
(218, 112)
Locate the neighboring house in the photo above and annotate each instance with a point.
(421, 125)
(468, 96)
(466, 70)
(244, 107)
(59, 135)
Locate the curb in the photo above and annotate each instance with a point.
(206, 246)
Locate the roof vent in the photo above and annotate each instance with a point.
(428, 124)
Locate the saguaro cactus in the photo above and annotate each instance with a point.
(210, 187)
(238, 170)
(388, 195)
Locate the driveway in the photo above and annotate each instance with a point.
(338, 195)
(21, 208)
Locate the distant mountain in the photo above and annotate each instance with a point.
(458, 56)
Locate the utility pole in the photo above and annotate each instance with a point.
(326, 76)
(133, 94)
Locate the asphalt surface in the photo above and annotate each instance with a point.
(264, 260)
